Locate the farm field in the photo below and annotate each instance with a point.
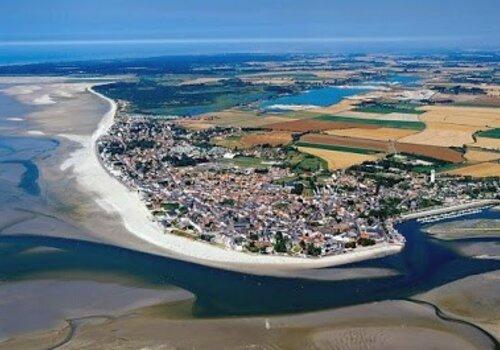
(452, 126)
(376, 122)
(474, 155)
(343, 105)
(338, 159)
(383, 134)
(346, 142)
(240, 118)
(274, 138)
(487, 101)
(487, 143)
(377, 116)
(308, 125)
(473, 116)
(335, 148)
(435, 152)
(231, 141)
(443, 134)
(478, 170)
(194, 124)
(299, 114)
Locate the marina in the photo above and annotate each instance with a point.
(451, 215)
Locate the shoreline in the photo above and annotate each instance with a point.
(116, 198)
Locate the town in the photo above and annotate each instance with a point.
(192, 188)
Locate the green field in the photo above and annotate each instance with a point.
(493, 133)
(336, 148)
(386, 108)
(299, 162)
(396, 124)
(247, 162)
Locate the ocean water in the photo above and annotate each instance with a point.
(22, 53)
(39, 53)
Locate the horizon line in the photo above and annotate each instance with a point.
(233, 40)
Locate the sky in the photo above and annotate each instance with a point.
(461, 24)
(263, 19)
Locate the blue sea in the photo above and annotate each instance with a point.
(39, 52)
(51, 52)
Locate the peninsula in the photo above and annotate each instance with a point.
(272, 202)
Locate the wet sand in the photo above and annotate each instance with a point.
(42, 304)
(64, 204)
(473, 238)
(461, 229)
(474, 298)
(385, 325)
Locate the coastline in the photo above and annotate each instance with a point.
(116, 198)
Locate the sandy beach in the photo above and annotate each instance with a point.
(114, 197)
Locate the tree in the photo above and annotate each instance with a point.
(313, 250)
(350, 245)
(280, 246)
(365, 242)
